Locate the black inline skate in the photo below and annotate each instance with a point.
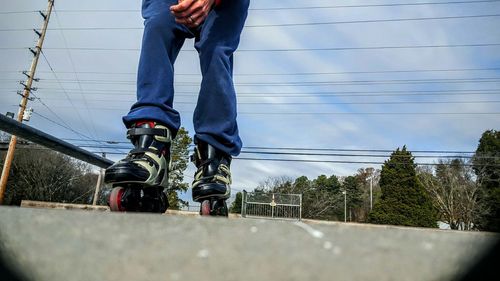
(211, 185)
(140, 179)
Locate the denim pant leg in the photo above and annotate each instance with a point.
(215, 114)
(161, 43)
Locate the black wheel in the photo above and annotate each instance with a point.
(115, 199)
(219, 208)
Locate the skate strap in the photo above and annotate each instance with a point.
(149, 131)
(143, 150)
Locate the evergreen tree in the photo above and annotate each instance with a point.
(404, 200)
(236, 205)
(180, 159)
(487, 168)
(352, 185)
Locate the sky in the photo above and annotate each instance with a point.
(355, 75)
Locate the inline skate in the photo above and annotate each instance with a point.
(211, 185)
(139, 181)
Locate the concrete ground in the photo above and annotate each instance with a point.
(43, 244)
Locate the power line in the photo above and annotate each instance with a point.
(66, 94)
(371, 21)
(68, 128)
(374, 5)
(245, 151)
(281, 24)
(329, 113)
(338, 161)
(277, 8)
(354, 150)
(370, 113)
(284, 50)
(310, 149)
(295, 83)
(346, 162)
(76, 75)
(328, 103)
(63, 126)
(311, 94)
(286, 74)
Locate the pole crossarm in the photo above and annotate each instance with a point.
(19, 129)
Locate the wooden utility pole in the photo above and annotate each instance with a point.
(99, 183)
(25, 96)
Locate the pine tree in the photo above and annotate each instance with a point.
(180, 157)
(236, 205)
(352, 185)
(404, 200)
(487, 168)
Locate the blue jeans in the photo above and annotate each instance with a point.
(216, 40)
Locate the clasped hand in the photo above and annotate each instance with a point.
(191, 13)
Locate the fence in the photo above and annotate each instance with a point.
(272, 205)
(191, 208)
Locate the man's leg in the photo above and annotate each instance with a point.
(215, 114)
(214, 118)
(161, 43)
(140, 178)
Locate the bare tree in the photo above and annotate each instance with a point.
(40, 174)
(368, 177)
(454, 191)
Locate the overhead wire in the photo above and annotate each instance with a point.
(294, 83)
(65, 93)
(289, 74)
(283, 49)
(288, 24)
(76, 74)
(277, 8)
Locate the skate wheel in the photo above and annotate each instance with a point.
(205, 208)
(115, 199)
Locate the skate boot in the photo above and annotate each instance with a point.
(212, 179)
(139, 180)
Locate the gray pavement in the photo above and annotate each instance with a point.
(85, 245)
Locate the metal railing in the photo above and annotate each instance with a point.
(26, 132)
(18, 129)
(272, 205)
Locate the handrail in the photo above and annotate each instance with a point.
(14, 127)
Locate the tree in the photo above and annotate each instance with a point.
(44, 175)
(320, 197)
(454, 193)
(236, 205)
(368, 177)
(354, 200)
(404, 200)
(486, 163)
(180, 157)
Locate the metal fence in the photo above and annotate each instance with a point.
(272, 205)
(191, 208)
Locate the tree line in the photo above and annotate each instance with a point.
(463, 194)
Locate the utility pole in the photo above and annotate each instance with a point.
(345, 205)
(99, 183)
(25, 97)
(371, 192)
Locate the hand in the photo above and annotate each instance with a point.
(191, 13)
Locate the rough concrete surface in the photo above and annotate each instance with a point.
(81, 245)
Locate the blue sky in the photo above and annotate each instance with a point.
(294, 90)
